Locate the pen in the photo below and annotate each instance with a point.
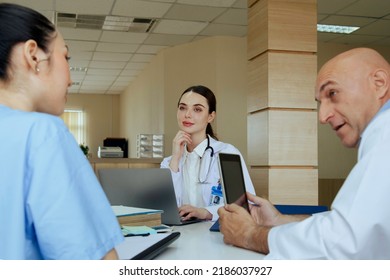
(137, 234)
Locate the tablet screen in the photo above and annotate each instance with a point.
(232, 179)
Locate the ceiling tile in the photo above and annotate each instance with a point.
(77, 74)
(150, 49)
(326, 37)
(179, 27)
(125, 74)
(242, 4)
(80, 55)
(81, 45)
(380, 27)
(142, 9)
(383, 42)
(136, 65)
(109, 72)
(120, 83)
(78, 62)
(166, 1)
(93, 83)
(321, 17)
(106, 56)
(120, 48)
(211, 3)
(190, 12)
(40, 5)
(80, 34)
(123, 37)
(234, 16)
(107, 64)
(224, 29)
(101, 78)
(371, 8)
(91, 91)
(84, 7)
(141, 58)
(356, 39)
(168, 39)
(332, 6)
(125, 79)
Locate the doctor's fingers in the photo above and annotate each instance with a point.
(182, 136)
(259, 201)
(186, 208)
(233, 208)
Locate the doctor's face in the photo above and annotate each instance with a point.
(346, 100)
(193, 113)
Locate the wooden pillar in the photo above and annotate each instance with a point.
(282, 117)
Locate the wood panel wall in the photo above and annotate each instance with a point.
(282, 117)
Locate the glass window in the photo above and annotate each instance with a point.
(75, 120)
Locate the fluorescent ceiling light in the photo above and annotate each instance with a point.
(336, 28)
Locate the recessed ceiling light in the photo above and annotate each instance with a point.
(336, 28)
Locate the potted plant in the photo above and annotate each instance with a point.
(85, 149)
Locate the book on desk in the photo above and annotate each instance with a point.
(135, 216)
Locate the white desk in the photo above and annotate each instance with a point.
(196, 242)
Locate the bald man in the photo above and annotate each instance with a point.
(352, 90)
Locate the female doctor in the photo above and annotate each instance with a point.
(195, 150)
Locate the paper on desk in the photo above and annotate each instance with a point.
(137, 230)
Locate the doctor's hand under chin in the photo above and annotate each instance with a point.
(178, 145)
(188, 212)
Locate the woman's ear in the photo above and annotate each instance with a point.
(211, 117)
(30, 54)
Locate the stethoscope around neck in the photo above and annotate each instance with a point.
(205, 162)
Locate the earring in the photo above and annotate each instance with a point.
(37, 69)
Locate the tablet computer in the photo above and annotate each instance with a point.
(232, 182)
(232, 179)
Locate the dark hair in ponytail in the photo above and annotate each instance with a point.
(211, 101)
(20, 24)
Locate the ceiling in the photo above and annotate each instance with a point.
(105, 61)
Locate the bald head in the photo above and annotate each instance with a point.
(356, 58)
(355, 63)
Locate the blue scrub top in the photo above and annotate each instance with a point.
(51, 203)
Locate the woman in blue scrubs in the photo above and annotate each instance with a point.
(51, 204)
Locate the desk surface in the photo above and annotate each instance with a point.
(196, 242)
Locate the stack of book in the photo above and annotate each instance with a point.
(134, 216)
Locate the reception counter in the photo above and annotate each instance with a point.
(98, 163)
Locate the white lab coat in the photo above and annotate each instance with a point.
(213, 177)
(358, 225)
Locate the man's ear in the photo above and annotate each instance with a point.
(381, 82)
(30, 54)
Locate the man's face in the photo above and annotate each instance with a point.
(346, 99)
